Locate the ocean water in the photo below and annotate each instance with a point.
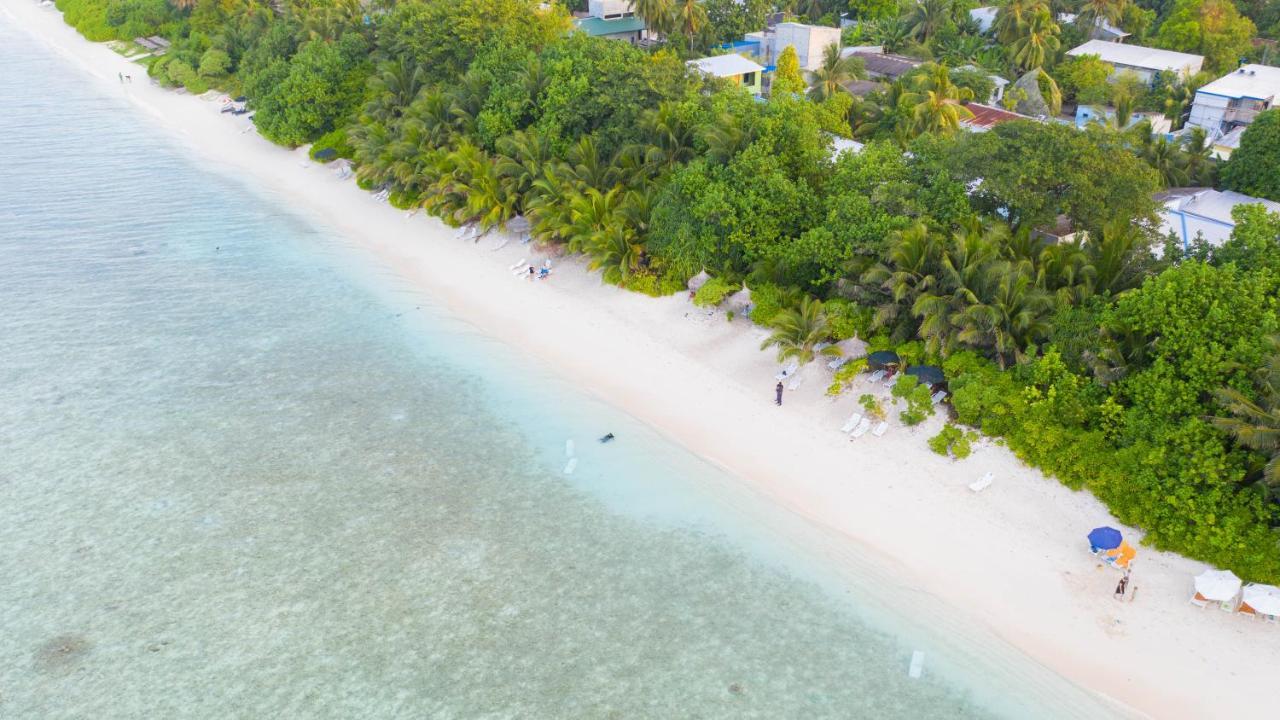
(247, 473)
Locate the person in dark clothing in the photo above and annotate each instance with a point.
(778, 400)
(1122, 587)
(606, 438)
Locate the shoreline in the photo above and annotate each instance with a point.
(1012, 557)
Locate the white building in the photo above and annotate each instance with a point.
(734, 68)
(1233, 101)
(809, 41)
(610, 9)
(1203, 212)
(1141, 61)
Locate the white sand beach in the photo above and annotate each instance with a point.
(1012, 558)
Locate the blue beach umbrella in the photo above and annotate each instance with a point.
(1104, 538)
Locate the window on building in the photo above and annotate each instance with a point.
(749, 78)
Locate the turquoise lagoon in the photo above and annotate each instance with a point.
(247, 473)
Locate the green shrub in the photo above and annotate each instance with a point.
(713, 292)
(335, 140)
(872, 405)
(846, 318)
(845, 375)
(214, 64)
(180, 73)
(919, 402)
(767, 299)
(954, 442)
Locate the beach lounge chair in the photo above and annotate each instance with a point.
(838, 363)
(876, 376)
(795, 382)
(861, 429)
(881, 429)
(851, 423)
(939, 396)
(982, 483)
(518, 266)
(787, 371)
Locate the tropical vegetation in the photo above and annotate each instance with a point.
(1112, 359)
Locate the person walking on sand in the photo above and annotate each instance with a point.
(121, 76)
(778, 399)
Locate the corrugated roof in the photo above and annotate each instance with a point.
(595, 27)
(887, 65)
(986, 116)
(1138, 56)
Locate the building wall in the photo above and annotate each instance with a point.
(1208, 111)
(808, 40)
(609, 9)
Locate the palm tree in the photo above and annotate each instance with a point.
(1036, 41)
(658, 15)
(1093, 13)
(928, 17)
(615, 251)
(1012, 17)
(834, 73)
(910, 269)
(1198, 155)
(394, 88)
(689, 17)
(1010, 316)
(797, 330)
(523, 154)
(936, 106)
(725, 138)
(670, 137)
(1255, 423)
(1166, 159)
(891, 33)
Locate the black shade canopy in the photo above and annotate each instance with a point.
(882, 358)
(927, 374)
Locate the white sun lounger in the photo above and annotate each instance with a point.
(787, 371)
(838, 363)
(851, 423)
(861, 429)
(518, 266)
(795, 382)
(876, 376)
(939, 396)
(983, 483)
(880, 429)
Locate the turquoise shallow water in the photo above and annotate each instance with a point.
(246, 474)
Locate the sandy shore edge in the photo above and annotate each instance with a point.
(1011, 559)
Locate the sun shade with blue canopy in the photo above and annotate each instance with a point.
(927, 374)
(1104, 538)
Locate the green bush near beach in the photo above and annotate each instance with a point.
(1139, 377)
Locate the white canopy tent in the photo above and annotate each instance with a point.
(1262, 600)
(1217, 586)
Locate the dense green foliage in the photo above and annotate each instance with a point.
(1105, 365)
(1254, 168)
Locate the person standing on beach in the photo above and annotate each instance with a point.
(121, 76)
(778, 399)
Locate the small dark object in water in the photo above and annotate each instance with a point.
(606, 438)
(735, 688)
